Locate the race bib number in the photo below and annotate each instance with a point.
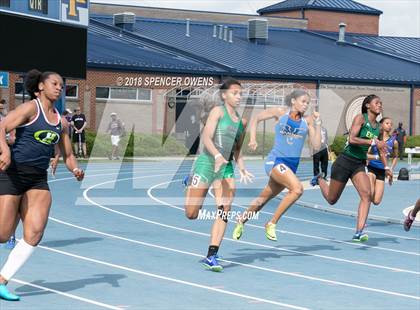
(282, 168)
(195, 180)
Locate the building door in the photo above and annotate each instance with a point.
(187, 122)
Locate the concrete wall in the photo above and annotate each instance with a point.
(336, 102)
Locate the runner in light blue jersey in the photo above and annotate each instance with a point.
(283, 160)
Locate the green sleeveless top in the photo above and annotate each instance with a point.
(367, 131)
(227, 135)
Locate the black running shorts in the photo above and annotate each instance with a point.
(18, 180)
(345, 167)
(380, 173)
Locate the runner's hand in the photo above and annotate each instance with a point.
(219, 162)
(390, 176)
(79, 174)
(252, 145)
(246, 176)
(53, 166)
(5, 160)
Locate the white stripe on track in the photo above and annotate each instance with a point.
(174, 280)
(238, 263)
(90, 301)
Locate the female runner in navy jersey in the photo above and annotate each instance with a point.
(23, 168)
(283, 160)
(376, 169)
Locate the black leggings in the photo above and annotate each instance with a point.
(321, 156)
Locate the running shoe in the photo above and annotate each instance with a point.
(314, 180)
(238, 231)
(360, 236)
(6, 295)
(186, 181)
(212, 264)
(11, 243)
(270, 231)
(408, 222)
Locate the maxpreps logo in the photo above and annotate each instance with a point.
(75, 12)
(47, 137)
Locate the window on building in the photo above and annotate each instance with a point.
(19, 91)
(121, 93)
(102, 92)
(18, 88)
(144, 94)
(72, 91)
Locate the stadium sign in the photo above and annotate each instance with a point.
(75, 12)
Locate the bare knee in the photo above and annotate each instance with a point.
(3, 238)
(5, 234)
(376, 201)
(33, 237)
(365, 195)
(332, 201)
(297, 191)
(191, 214)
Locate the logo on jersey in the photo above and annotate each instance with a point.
(292, 133)
(47, 137)
(370, 135)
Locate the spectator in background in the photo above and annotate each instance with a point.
(401, 138)
(116, 129)
(67, 115)
(78, 123)
(322, 155)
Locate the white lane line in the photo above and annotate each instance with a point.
(239, 241)
(89, 301)
(238, 263)
(339, 226)
(175, 280)
(359, 245)
(263, 212)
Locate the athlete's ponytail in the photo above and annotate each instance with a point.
(294, 95)
(32, 80)
(366, 101)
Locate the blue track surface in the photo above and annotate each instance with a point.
(122, 244)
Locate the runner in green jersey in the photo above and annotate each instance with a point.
(351, 164)
(222, 137)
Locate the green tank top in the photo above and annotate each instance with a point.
(227, 135)
(367, 131)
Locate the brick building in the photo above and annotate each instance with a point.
(151, 65)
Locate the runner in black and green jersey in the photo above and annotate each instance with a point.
(351, 164)
(222, 137)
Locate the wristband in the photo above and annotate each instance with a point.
(376, 157)
(387, 168)
(318, 122)
(217, 156)
(75, 169)
(373, 142)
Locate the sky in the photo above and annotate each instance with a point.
(400, 17)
